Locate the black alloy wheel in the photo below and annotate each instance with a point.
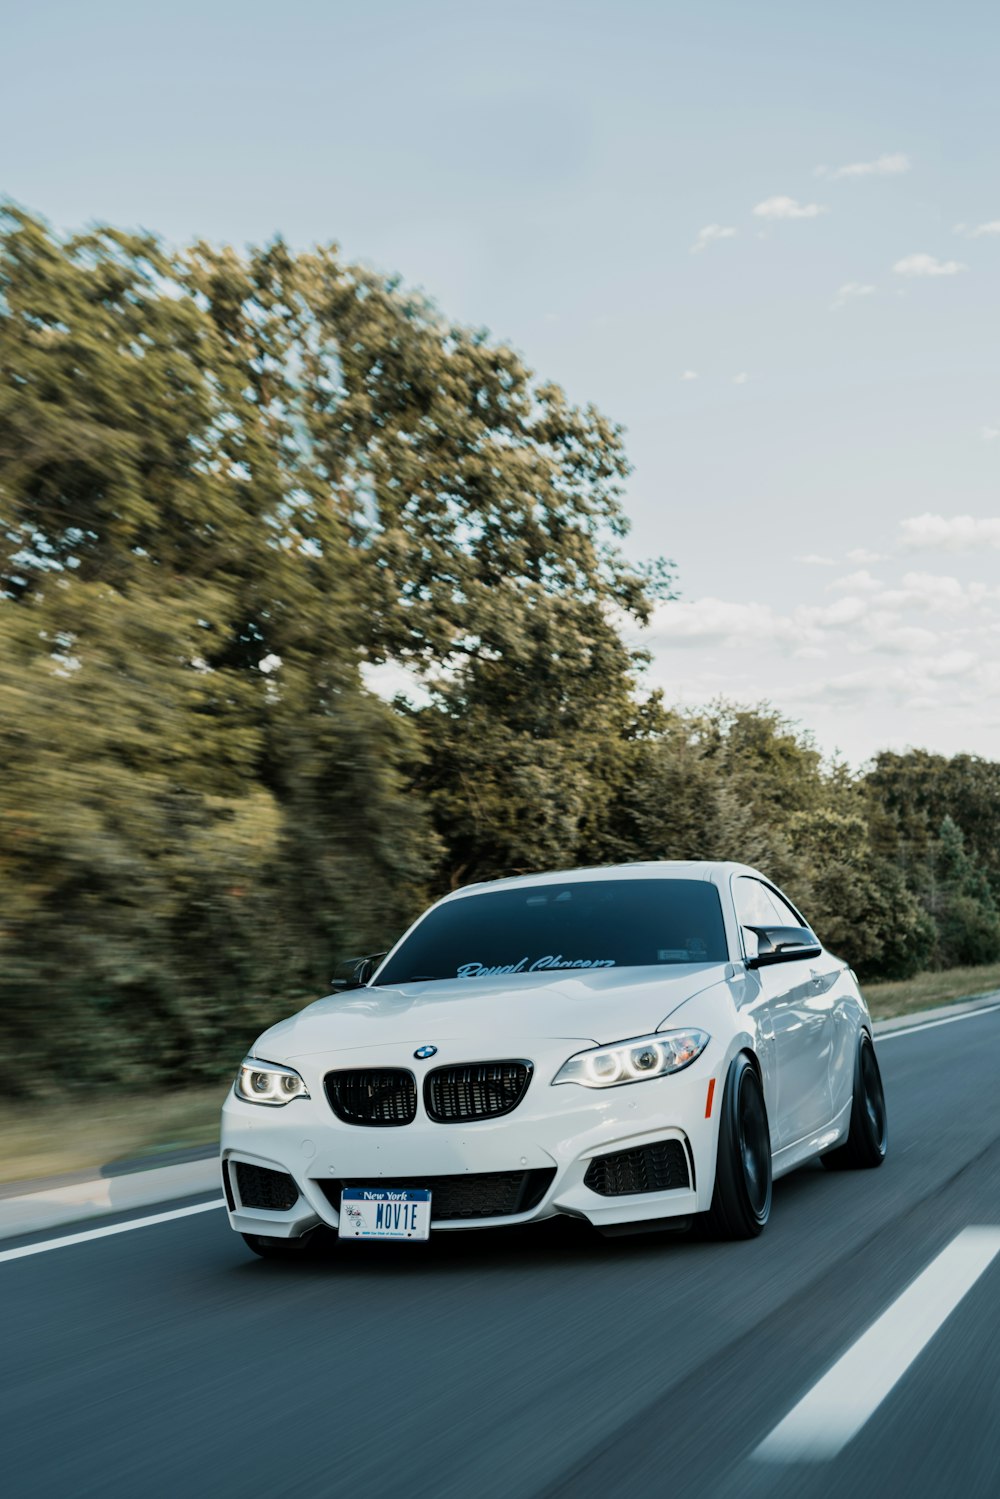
(741, 1202)
(868, 1136)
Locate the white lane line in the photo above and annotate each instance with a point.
(928, 1025)
(836, 1408)
(103, 1233)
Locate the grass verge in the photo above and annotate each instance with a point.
(38, 1140)
(50, 1139)
(907, 996)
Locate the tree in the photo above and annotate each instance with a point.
(231, 484)
(485, 511)
(856, 899)
(187, 735)
(909, 796)
(228, 484)
(961, 902)
(722, 783)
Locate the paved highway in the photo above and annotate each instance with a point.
(547, 1362)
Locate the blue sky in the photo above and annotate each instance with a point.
(547, 170)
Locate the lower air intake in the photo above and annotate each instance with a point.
(661, 1167)
(259, 1187)
(483, 1194)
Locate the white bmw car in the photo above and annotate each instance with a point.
(635, 1046)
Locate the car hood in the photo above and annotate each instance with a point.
(597, 1006)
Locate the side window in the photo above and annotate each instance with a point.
(788, 916)
(755, 904)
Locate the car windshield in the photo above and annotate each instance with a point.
(581, 924)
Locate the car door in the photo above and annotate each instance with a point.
(811, 1032)
(795, 1009)
(764, 997)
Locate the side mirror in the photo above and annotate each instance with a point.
(359, 972)
(781, 944)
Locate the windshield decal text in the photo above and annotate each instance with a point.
(540, 965)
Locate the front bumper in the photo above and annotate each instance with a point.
(557, 1130)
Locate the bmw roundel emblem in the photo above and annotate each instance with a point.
(423, 1052)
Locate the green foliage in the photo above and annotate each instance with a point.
(231, 485)
(910, 795)
(692, 793)
(228, 484)
(961, 902)
(858, 899)
(742, 784)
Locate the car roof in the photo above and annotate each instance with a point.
(646, 869)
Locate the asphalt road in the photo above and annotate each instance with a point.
(545, 1362)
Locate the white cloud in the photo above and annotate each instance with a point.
(937, 593)
(849, 291)
(846, 611)
(711, 620)
(861, 557)
(690, 375)
(813, 559)
(880, 666)
(928, 265)
(853, 668)
(741, 378)
(869, 618)
(788, 208)
(894, 639)
(930, 679)
(890, 165)
(952, 664)
(859, 582)
(955, 533)
(902, 686)
(710, 234)
(980, 231)
(990, 434)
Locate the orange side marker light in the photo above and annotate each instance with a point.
(708, 1100)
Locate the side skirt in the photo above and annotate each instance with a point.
(794, 1155)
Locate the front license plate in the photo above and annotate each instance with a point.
(374, 1213)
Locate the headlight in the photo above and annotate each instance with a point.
(265, 1082)
(633, 1061)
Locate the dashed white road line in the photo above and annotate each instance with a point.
(104, 1233)
(836, 1408)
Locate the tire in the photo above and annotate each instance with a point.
(868, 1136)
(270, 1248)
(741, 1201)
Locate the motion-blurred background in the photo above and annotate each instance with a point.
(317, 602)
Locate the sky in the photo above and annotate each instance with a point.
(764, 237)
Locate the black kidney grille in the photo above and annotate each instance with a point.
(660, 1167)
(373, 1095)
(259, 1187)
(484, 1194)
(475, 1090)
